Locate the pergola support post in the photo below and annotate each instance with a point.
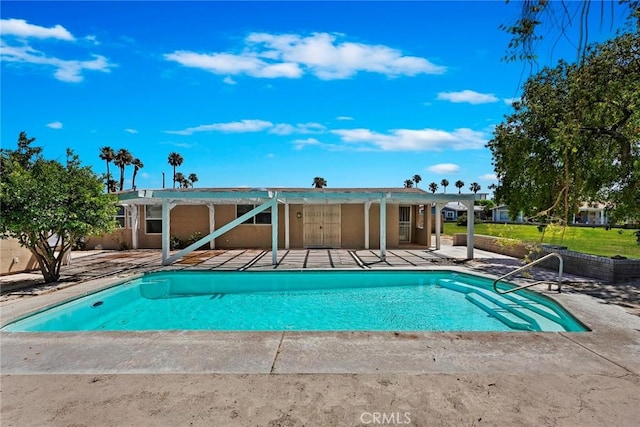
(274, 230)
(367, 207)
(286, 224)
(383, 227)
(212, 223)
(135, 225)
(469, 204)
(438, 218)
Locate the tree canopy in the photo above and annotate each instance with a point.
(575, 136)
(541, 19)
(47, 206)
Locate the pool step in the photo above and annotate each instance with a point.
(506, 316)
(532, 304)
(529, 303)
(535, 316)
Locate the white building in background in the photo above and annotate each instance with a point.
(588, 214)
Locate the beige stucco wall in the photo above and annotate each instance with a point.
(14, 258)
(118, 240)
(352, 226)
(244, 235)
(296, 226)
(189, 219)
(421, 236)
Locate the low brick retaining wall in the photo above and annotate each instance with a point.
(606, 269)
(602, 268)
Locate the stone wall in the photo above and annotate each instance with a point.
(602, 268)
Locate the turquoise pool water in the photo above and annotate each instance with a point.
(304, 301)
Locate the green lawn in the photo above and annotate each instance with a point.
(596, 241)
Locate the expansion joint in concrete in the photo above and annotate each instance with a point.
(598, 354)
(275, 358)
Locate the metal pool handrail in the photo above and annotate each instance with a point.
(531, 264)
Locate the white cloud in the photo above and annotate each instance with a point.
(92, 39)
(182, 144)
(226, 63)
(65, 70)
(444, 168)
(344, 118)
(301, 128)
(510, 101)
(283, 129)
(320, 54)
(414, 139)
(468, 96)
(55, 125)
(243, 126)
(21, 28)
(131, 131)
(299, 144)
(489, 177)
(228, 80)
(230, 127)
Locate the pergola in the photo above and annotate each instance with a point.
(270, 198)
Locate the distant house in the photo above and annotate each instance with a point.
(592, 214)
(453, 210)
(501, 214)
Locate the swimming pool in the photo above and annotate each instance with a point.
(304, 301)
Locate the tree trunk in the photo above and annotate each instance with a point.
(48, 262)
(47, 266)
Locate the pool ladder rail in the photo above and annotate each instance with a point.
(531, 264)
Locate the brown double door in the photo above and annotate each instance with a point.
(322, 226)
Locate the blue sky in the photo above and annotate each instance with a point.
(263, 94)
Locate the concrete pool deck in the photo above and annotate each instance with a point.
(327, 378)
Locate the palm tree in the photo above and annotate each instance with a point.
(193, 178)
(444, 184)
(137, 165)
(408, 183)
(180, 179)
(433, 187)
(122, 159)
(112, 186)
(175, 159)
(417, 178)
(107, 154)
(459, 184)
(475, 187)
(319, 182)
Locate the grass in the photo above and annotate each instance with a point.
(595, 241)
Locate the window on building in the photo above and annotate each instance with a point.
(153, 219)
(449, 214)
(121, 216)
(263, 217)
